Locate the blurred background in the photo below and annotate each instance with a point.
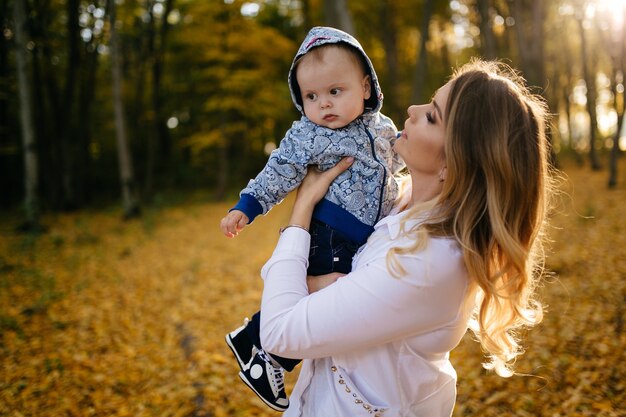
(122, 100)
(127, 128)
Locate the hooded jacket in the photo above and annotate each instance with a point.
(360, 196)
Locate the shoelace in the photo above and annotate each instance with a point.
(277, 376)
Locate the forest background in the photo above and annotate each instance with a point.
(127, 127)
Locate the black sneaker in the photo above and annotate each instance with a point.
(239, 342)
(266, 380)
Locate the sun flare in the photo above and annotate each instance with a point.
(616, 9)
(611, 12)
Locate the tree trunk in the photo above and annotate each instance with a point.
(619, 66)
(31, 201)
(421, 67)
(49, 111)
(158, 139)
(391, 57)
(537, 36)
(306, 16)
(529, 34)
(223, 166)
(223, 157)
(151, 134)
(84, 128)
(69, 136)
(588, 76)
(160, 126)
(615, 152)
(563, 87)
(529, 16)
(338, 15)
(486, 31)
(129, 200)
(8, 122)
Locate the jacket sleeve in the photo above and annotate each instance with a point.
(367, 307)
(284, 171)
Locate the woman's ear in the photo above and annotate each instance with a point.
(367, 87)
(443, 174)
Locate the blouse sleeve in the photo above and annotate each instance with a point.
(365, 308)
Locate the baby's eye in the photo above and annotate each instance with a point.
(429, 117)
(335, 91)
(311, 96)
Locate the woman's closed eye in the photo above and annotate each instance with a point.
(429, 117)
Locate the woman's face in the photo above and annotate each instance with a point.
(421, 143)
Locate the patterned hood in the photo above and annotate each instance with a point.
(325, 35)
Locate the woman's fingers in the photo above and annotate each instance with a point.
(340, 167)
(312, 190)
(316, 183)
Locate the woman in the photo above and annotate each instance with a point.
(462, 248)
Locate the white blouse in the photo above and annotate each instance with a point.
(373, 344)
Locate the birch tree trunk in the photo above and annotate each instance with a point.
(31, 201)
(129, 199)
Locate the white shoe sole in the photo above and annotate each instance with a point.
(229, 342)
(269, 404)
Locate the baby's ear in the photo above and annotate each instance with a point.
(367, 86)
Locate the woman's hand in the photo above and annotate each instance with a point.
(317, 282)
(312, 190)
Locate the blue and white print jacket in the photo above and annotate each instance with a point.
(360, 196)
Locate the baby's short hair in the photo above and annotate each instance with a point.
(317, 53)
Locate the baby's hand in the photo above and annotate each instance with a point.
(233, 223)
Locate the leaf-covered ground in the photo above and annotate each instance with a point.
(100, 317)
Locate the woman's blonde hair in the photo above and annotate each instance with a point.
(494, 201)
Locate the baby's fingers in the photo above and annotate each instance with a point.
(228, 227)
(243, 221)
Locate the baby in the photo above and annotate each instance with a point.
(334, 85)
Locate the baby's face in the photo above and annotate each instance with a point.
(333, 89)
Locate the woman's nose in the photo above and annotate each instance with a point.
(411, 110)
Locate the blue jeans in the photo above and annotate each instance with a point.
(330, 252)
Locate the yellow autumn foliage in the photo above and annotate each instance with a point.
(100, 317)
